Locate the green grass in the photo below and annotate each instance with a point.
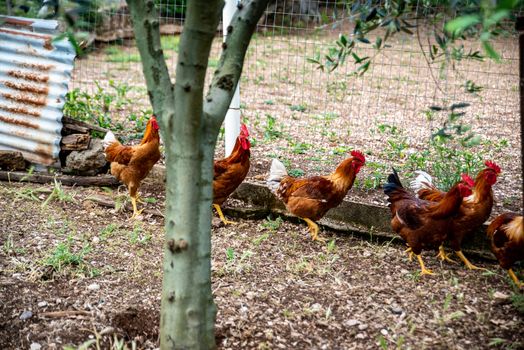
(170, 42)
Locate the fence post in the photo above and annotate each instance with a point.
(232, 121)
(519, 26)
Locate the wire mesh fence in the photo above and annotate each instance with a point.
(283, 91)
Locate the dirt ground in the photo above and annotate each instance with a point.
(75, 273)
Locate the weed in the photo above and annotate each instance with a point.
(271, 131)
(300, 147)
(382, 342)
(272, 225)
(9, 247)
(63, 256)
(58, 194)
(261, 238)
(138, 236)
(517, 299)
(269, 102)
(230, 255)
(496, 341)
(298, 108)
(296, 172)
(108, 231)
(331, 246)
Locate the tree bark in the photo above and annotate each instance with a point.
(189, 130)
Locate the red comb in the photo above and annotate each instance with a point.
(467, 180)
(243, 130)
(493, 166)
(358, 155)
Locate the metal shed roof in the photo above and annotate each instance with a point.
(34, 77)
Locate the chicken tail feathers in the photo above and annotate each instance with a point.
(109, 139)
(276, 174)
(422, 181)
(393, 183)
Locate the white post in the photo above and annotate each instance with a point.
(232, 121)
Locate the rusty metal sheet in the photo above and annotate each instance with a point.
(35, 71)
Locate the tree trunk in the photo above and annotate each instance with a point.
(189, 130)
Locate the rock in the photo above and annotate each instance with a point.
(93, 286)
(11, 160)
(316, 307)
(42, 304)
(500, 296)
(362, 326)
(396, 310)
(360, 336)
(351, 323)
(26, 315)
(384, 332)
(35, 346)
(90, 161)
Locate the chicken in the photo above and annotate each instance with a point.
(506, 234)
(474, 211)
(131, 164)
(424, 188)
(231, 171)
(310, 198)
(422, 224)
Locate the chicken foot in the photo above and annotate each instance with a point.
(222, 217)
(443, 256)
(410, 251)
(515, 278)
(468, 264)
(313, 229)
(136, 212)
(424, 271)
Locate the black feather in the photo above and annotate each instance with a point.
(393, 183)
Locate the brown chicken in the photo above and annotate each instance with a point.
(425, 189)
(312, 197)
(131, 164)
(506, 234)
(231, 171)
(422, 224)
(474, 211)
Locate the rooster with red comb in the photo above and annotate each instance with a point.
(310, 198)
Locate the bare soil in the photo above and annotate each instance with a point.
(274, 287)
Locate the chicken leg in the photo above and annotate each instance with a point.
(222, 217)
(136, 212)
(443, 256)
(466, 261)
(424, 271)
(515, 278)
(313, 229)
(410, 251)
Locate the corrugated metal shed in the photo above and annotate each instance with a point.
(34, 77)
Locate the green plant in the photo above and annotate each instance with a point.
(138, 236)
(63, 256)
(271, 131)
(272, 225)
(296, 172)
(230, 254)
(58, 194)
(298, 108)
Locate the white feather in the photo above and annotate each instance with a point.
(108, 139)
(276, 173)
(423, 180)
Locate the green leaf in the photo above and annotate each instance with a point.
(461, 23)
(490, 51)
(496, 17)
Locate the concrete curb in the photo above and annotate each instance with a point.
(365, 220)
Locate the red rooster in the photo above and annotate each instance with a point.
(131, 164)
(474, 211)
(506, 234)
(231, 171)
(312, 197)
(422, 224)
(425, 189)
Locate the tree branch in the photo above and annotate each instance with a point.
(231, 61)
(146, 26)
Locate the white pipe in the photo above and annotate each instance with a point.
(232, 121)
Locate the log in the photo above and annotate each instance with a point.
(68, 180)
(12, 160)
(75, 142)
(70, 122)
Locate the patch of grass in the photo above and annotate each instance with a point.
(138, 236)
(296, 172)
(108, 231)
(272, 225)
(10, 248)
(298, 108)
(300, 147)
(269, 102)
(271, 130)
(63, 256)
(119, 56)
(58, 194)
(170, 42)
(517, 299)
